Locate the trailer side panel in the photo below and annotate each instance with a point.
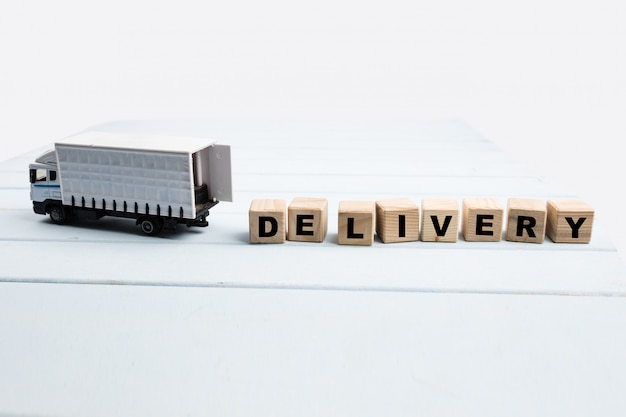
(143, 182)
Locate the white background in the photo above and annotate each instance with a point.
(546, 80)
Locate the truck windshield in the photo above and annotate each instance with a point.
(38, 175)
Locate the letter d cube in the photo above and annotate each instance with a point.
(267, 221)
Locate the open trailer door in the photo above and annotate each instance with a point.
(220, 173)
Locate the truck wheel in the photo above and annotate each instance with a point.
(57, 214)
(150, 226)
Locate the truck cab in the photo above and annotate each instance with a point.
(45, 187)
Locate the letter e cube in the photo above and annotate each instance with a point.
(482, 220)
(308, 219)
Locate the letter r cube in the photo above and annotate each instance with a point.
(526, 220)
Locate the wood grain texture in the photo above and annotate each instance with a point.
(482, 220)
(569, 221)
(397, 220)
(307, 219)
(356, 222)
(267, 221)
(526, 220)
(440, 220)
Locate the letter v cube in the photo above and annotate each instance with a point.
(440, 220)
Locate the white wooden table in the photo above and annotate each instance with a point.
(97, 319)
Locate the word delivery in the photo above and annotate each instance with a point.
(399, 220)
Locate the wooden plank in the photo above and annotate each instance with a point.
(163, 351)
(426, 266)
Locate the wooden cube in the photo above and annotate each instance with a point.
(267, 221)
(356, 222)
(440, 220)
(482, 220)
(307, 219)
(397, 220)
(569, 221)
(526, 220)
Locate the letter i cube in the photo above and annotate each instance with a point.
(569, 221)
(397, 220)
(267, 220)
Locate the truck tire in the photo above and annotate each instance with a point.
(57, 213)
(151, 226)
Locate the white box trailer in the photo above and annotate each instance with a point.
(158, 180)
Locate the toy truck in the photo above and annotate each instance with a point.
(159, 181)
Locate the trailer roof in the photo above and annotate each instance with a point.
(135, 141)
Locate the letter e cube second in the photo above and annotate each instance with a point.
(482, 220)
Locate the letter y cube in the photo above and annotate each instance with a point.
(569, 221)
